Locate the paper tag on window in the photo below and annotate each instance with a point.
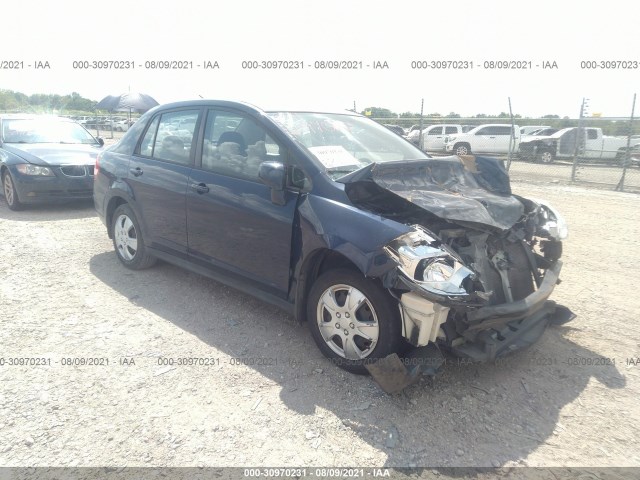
(333, 156)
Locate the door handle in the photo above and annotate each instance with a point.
(200, 188)
(492, 137)
(136, 172)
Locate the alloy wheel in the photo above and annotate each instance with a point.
(347, 322)
(8, 189)
(126, 238)
(462, 150)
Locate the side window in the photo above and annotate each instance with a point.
(236, 145)
(435, 131)
(592, 134)
(174, 137)
(484, 131)
(146, 147)
(503, 130)
(450, 130)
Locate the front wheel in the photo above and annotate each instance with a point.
(10, 192)
(127, 240)
(352, 319)
(546, 156)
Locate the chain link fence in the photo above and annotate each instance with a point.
(599, 151)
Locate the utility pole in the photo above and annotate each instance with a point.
(627, 155)
(420, 144)
(512, 138)
(579, 132)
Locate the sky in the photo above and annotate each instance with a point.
(358, 31)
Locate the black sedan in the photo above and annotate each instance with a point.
(45, 159)
(342, 223)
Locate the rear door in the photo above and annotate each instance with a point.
(593, 144)
(448, 131)
(433, 139)
(485, 140)
(503, 139)
(231, 220)
(158, 175)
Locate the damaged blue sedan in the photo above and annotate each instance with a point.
(383, 250)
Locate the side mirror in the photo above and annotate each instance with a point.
(100, 141)
(274, 176)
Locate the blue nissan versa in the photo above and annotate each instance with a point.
(340, 222)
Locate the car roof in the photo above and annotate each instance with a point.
(32, 116)
(250, 107)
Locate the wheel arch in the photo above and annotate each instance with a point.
(114, 203)
(465, 143)
(316, 263)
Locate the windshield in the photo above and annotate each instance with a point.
(346, 143)
(44, 130)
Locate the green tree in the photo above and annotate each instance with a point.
(377, 112)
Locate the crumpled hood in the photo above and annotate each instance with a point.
(458, 189)
(55, 154)
(536, 138)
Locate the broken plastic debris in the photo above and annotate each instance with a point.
(394, 374)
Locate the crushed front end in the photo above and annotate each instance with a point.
(476, 271)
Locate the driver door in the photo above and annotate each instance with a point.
(232, 222)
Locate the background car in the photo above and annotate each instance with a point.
(434, 135)
(529, 129)
(121, 126)
(635, 155)
(541, 132)
(45, 159)
(395, 128)
(489, 138)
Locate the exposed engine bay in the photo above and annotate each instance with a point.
(475, 273)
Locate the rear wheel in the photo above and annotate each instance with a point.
(127, 240)
(352, 319)
(10, 192)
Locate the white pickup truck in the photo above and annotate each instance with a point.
(433, 136)
(490, 138)
(562, 144)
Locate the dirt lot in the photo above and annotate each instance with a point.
(64, 296)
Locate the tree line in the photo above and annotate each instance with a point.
(73, 103)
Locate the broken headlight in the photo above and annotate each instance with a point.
(426, 261)
(552, 224)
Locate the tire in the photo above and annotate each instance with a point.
(349, 337)
(546, 156)
(462, 149)
(10, 192)
(127, 240)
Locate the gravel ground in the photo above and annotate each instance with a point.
(64, 296)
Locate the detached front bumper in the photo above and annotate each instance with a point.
(485, 332)
(497, 330)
